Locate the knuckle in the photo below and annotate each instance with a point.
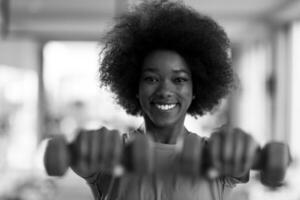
(103, 129)
(239, 130)
(80, 134)
(216, 136)
(240, 133)
(115, 131)
(214, 144)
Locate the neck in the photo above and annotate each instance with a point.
(165, 134)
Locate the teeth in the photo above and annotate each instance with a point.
(165, 107)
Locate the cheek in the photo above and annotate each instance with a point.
(147, 89)
(144, 93)
(187, 92)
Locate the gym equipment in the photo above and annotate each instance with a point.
(272, 160)
(138, 157)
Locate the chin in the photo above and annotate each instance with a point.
(165, 122)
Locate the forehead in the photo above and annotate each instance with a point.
(164, 60)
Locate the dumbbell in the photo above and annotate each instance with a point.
(136, 156)
(272, 160)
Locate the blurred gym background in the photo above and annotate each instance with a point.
(48, 85)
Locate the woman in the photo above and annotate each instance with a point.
(164, 60)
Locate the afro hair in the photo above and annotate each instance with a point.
(156, 25)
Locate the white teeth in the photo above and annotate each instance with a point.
(165, 107)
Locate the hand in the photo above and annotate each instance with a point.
(232, 151)
(95, 150)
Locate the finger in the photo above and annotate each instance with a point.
(238, 161)
(95, 151)
(251, 147)
(214, 146)
(115, 148)
(104, 147)
(83, 155)
(75, 150)
(228, 146)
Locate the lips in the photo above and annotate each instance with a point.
(162, 106)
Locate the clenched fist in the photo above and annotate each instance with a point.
(232, 151)
(96, 150)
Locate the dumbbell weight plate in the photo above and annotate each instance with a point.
(142, 155)
(57, 159)
(190, 160)
(277, 159)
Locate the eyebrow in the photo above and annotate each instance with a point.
(181, 71)
(177, 71)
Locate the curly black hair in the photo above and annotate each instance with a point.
(164, 25)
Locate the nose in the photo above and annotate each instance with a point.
(165, 89)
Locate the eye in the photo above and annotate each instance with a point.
(180, 79)
(150, 79)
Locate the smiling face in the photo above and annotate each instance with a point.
(165, 89)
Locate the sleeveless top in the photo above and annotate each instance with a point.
(160, 186)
